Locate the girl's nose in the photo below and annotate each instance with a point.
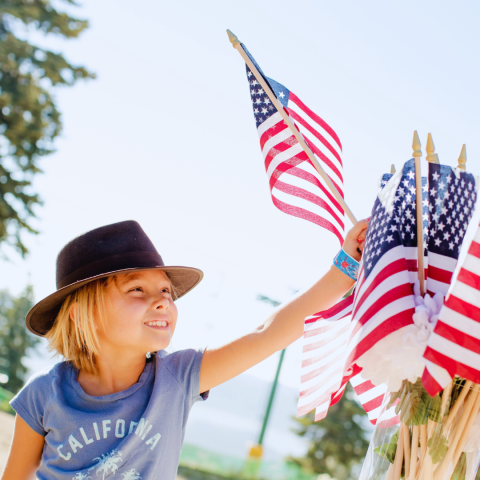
(161, 303)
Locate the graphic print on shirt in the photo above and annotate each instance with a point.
(81, 476)
(131, 474)
(108, 463)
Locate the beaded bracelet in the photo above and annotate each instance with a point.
(346, 264)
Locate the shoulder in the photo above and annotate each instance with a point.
(182, 363)
(32, 400)
(45, 377)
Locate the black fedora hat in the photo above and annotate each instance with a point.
(110, 250)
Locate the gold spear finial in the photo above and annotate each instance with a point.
(233, 38)
(462, 159)
(417, 152)
(432, 157)
(392, 169)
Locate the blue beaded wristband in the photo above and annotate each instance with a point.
(346, 264)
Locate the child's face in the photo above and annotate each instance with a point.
(141, 314)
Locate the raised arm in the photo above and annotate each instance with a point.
(284, 326)
(25, 453)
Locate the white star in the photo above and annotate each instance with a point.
(389, 239)
(438, 201)
(469, 185)
(449, 221)
(435, 217)
(437, 242)
(254, 82)
(261, 92)
(258, 101)
(281, 94)
(411, 175)
(451, 245)
(249, 73)
(433, 191)
(369, 265)
(441, 226)
(408, 197)
(436, 176)
(425, 187)
(267, 100)
(446, 236)
(441, 186)
(456, 238)
(393, 228)
(256, 110)
(463, 183)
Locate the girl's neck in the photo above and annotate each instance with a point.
(115, 373)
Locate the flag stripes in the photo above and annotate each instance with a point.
(455, 342)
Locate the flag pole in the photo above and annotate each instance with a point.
(417, 155)
(236, 44)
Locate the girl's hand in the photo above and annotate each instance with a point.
(356, 239)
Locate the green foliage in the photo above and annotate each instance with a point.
(29, 119)
(388, 450)
(14, 337)
(338, 442)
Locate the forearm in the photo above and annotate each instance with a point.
(285, 325)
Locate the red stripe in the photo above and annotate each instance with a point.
(316, 373)
(305, 195)
(290, 166)
(337, 308)
(469, 278)
(396, 266)
(430, 384)
(316, 118)
(317, 135)
(279, 148)
(306, 215)
(325, 159)
(439, 274)
(412, 265)
(373, 403)
(463, 307)
(474, 249)
(453, 367)
(394, 323)
(459, 338)
(271, 132)
(310, 361)
(324, 329)
(313, 346)
(304, 175)
(364, 387)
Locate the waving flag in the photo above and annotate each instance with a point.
(382, 303)
(295, 185)
(451, 201)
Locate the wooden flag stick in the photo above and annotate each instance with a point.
(236, 44)
(462, 159)
(417, 154)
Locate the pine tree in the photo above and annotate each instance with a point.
(15, 339)
(29, 118)
(338, 443)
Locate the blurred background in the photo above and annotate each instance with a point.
(113, 110)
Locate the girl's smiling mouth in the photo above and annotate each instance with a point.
(158, 324)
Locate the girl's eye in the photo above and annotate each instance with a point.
(166, 290)
(136, 289)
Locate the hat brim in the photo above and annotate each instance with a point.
(40, 318)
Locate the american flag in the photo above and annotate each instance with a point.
(382, 303)
(450, 208)
(323, 377)
(454, 346)
(295, 185)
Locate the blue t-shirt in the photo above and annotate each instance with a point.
(136, 434)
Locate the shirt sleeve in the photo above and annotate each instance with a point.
(30, 402)
(185, 366)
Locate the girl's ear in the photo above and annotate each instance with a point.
(73, 311)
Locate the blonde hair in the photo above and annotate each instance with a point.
(77, 340)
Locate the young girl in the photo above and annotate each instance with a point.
(117, 407)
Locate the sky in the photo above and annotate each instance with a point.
(165, 135)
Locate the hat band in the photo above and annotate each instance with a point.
(121, 261)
